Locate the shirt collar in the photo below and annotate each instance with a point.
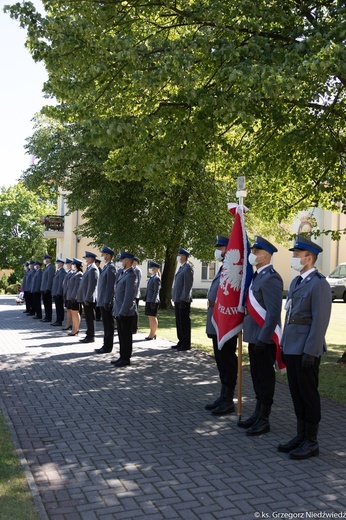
(307, 273)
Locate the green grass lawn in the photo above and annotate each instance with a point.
(332, 374)
(16, 501)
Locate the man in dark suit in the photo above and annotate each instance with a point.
(182, 298)
(57, 292)
(124, 308)
(308, 307)
(46, 287)
(265, 299)
(226, 358)
(87, 293)
(105, 294)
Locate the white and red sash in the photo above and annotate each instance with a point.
(258, 313)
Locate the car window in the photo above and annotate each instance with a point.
(339, 272)
(342, 273)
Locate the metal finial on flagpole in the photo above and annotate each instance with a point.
(240, 194)
(241, 190)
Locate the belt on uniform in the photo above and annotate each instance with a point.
(210, 304)
(300, 321)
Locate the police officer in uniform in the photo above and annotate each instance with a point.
(98, 314)
(308, 309)
(124, 308)
(226, 358)
(25, 287)
(57, 292)
(36, 289)
(182, 298)
(30, 294)
(87, 293)
(46, 287)
(105, 294)
(69, 273)
(138, 273)
(267, 291)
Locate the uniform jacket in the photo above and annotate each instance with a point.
(25, 281)
(88, 286)
(210, 329)
(126, 287)
(58, 281)
(30, 279)
(47, 278)
(310, 300)
(153, 289)
(138, 273)
(267, 287)
(73, 285)
(36, 282)
(65, 283)
(183, 280)
(105, 287)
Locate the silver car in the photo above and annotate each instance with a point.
(337, 282)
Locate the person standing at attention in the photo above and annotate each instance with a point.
(87, 295)
(105, 294)
(124, 308)
(46, 288)
(308, 307)
(182, 298)
(265, 301)
(152, 298)
(226, 358)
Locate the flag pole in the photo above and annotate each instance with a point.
(241, 193)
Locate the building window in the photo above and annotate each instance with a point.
(208, 270)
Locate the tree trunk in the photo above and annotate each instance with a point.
(167, 278)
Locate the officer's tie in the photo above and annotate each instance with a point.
(299, 279)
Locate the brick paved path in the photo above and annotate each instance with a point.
(102, 443)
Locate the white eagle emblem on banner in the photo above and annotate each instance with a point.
(231, 274)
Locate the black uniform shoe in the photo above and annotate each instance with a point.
(296, 441)
(252, 419)
(56, 324)
(215, 404)
(46, 320)
(309, 447)
(87, 340)
(227, 405)
(102, 350)
(183, 349)
(122, 363)
(262, 425)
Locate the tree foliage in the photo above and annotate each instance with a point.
(177, 99)
(21, 230)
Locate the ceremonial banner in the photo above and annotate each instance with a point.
(236, 275)
(258, 313)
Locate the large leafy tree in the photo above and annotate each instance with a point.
(152, 221)
(253, 87)
(181, 95)
(20, 227)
